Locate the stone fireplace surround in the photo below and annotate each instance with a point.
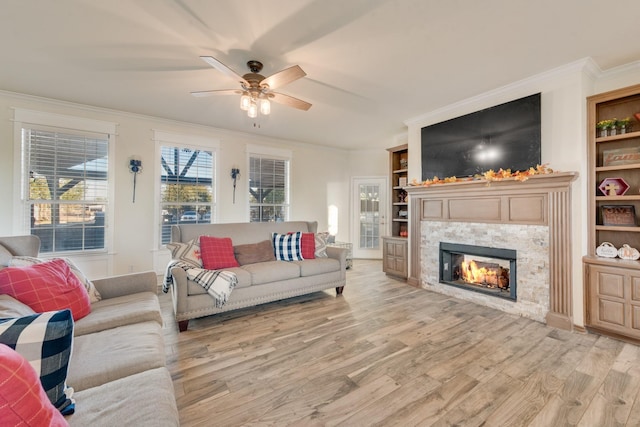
(531, 242)
(532, 217)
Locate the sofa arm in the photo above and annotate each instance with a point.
(126, 284)
(341, 255)
(179, 291)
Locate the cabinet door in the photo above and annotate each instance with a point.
(395, 257)
(614, 300)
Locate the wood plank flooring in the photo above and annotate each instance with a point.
(387, 354)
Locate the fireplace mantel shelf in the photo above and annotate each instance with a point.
(540, 200)
(535, 181)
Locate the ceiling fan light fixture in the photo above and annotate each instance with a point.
(245, 101)
(265, 106)
(256, 89)
(253, 110)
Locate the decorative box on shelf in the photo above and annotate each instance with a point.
(621, 156)
(619, 215)
(613, 186)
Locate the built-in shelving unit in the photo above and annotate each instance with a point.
(398, 161)
(394, 250)
(612, 285)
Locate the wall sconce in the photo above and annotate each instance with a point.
(135, 167)
(235, 173)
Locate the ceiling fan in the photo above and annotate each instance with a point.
(257, 89)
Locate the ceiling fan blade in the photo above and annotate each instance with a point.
(224, 69)
(289, 101)
(284, 77)
(216, 92)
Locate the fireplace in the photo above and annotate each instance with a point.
(532, 217)
(491, 271)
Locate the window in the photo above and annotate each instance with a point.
(186, 187)
(268, 188)
(66, 188)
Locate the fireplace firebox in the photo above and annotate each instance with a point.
(490, 271)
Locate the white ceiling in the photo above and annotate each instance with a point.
(370, 64)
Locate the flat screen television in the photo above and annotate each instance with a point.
(506, 136)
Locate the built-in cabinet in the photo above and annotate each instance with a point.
(612, 285)
(394, 256)
(394, 246)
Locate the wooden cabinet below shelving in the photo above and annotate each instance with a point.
(394, 256)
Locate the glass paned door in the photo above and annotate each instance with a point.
(369, 200)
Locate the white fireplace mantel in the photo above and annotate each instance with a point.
(540, 200)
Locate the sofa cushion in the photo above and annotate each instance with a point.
(48, 286)
(11, 307)
(45, 340)
(217, 253)
(115, 353)
(312, 267)
(120, 311)
(23, 401)
(287, 247)
(254, 252)
(272, 271)
(145, 399)
(23, 261)
(188, 252)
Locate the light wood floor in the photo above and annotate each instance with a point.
(388, 354)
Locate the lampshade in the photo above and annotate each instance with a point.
(245, 101)
(265, 106)
(253, 110)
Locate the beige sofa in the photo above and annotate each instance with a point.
(257, 283)
(117, 368)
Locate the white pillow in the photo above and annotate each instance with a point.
(186, 252)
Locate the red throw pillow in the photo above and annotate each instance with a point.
(308, 246)
(217, 253)
(23, 401)
(50, 286)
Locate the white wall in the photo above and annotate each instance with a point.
(564, 93)
(319, 177)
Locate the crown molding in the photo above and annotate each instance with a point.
(621, 69)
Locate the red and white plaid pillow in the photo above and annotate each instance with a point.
(23, 401)
(217, 253)
(49, 286)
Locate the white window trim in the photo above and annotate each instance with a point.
(187, 141)
(24, 118)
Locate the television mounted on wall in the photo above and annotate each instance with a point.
(506, 136)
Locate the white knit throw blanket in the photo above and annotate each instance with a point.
(217, 283)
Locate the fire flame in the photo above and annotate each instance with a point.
(471, 273)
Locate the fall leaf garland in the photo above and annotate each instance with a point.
(489, 176)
